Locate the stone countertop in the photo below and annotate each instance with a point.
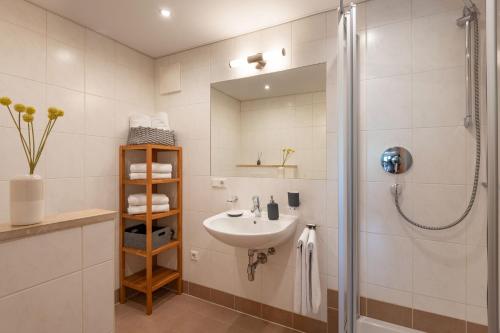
(56, 222)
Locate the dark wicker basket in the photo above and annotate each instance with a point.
(145, 135)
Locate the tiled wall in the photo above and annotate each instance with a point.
(223, 267)
(413, 95)
(49, 61)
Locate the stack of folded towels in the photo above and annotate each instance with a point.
(159, 121)
(137, 203)
(160, 170)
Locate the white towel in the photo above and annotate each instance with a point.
(140, 120)
(132, 210)
(140, 199)
(157, 167)
(299, 301)
(313, 282)
(160, 121)
(142, 175)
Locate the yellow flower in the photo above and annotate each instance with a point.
(30, 110)
(28, 117)
(19, 108)
(52, 116)
(60, 113)
(5, 101)
(53, 110)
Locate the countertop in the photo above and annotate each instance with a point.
(56, 222)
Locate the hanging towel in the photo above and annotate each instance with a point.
(157, 167)
(142, 175)
(312, 268)
(132, 210)
(160, 121)
(140, 199)
(139, 120)
(300, 302)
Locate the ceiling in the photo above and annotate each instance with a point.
(289, 82)
(138, 23)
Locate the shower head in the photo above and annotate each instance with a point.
(470, 5)
(469, 13)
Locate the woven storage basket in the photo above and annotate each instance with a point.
(145, 135)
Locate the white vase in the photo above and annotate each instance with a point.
(281, 172)
(27, 204)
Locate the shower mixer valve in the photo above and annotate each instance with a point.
(396, 160)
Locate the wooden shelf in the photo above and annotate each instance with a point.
(153, 181)
(158, 250)
(293, 166)
(156, 216)
(161, 276)
(153, 276)
(150, 146)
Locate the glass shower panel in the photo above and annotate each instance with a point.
(416, 92)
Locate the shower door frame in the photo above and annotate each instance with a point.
(348, 307)
(492, 163)
(348, 167)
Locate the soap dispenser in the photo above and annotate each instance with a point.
(273, 212)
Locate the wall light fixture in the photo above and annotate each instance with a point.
(259, 59)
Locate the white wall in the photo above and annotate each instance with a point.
(223, 267)
(49, 61)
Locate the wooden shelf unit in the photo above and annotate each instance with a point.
(153, 276)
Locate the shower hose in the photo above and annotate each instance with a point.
(477, 129)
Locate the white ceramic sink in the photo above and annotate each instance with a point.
(251, 232)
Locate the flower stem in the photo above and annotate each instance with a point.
(48, 129)
(18, 127)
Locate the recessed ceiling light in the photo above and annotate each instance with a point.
(267, 87)
(165, 12)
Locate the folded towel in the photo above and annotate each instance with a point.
(157, 167)
(300, 288)
(140, 199)
(160, 121)
(139, 120)
(142, 175)
(143, 209)
(312, 267)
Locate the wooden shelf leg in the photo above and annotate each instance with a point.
(123, 291)
(149, 233)
(179, 286)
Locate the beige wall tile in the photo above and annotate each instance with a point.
(37, 259)
(58, 302)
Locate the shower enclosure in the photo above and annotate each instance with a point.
(416, 93)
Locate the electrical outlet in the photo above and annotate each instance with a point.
(195, 255)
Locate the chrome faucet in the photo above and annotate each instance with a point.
(256, 206)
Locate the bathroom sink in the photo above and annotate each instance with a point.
(251, 232)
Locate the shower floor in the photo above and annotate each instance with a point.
(185, 314)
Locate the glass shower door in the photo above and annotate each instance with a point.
(413, 222)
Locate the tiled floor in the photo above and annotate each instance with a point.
(185, 314)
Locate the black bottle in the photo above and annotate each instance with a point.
(273, 212)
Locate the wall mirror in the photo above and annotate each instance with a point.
(271, 125)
